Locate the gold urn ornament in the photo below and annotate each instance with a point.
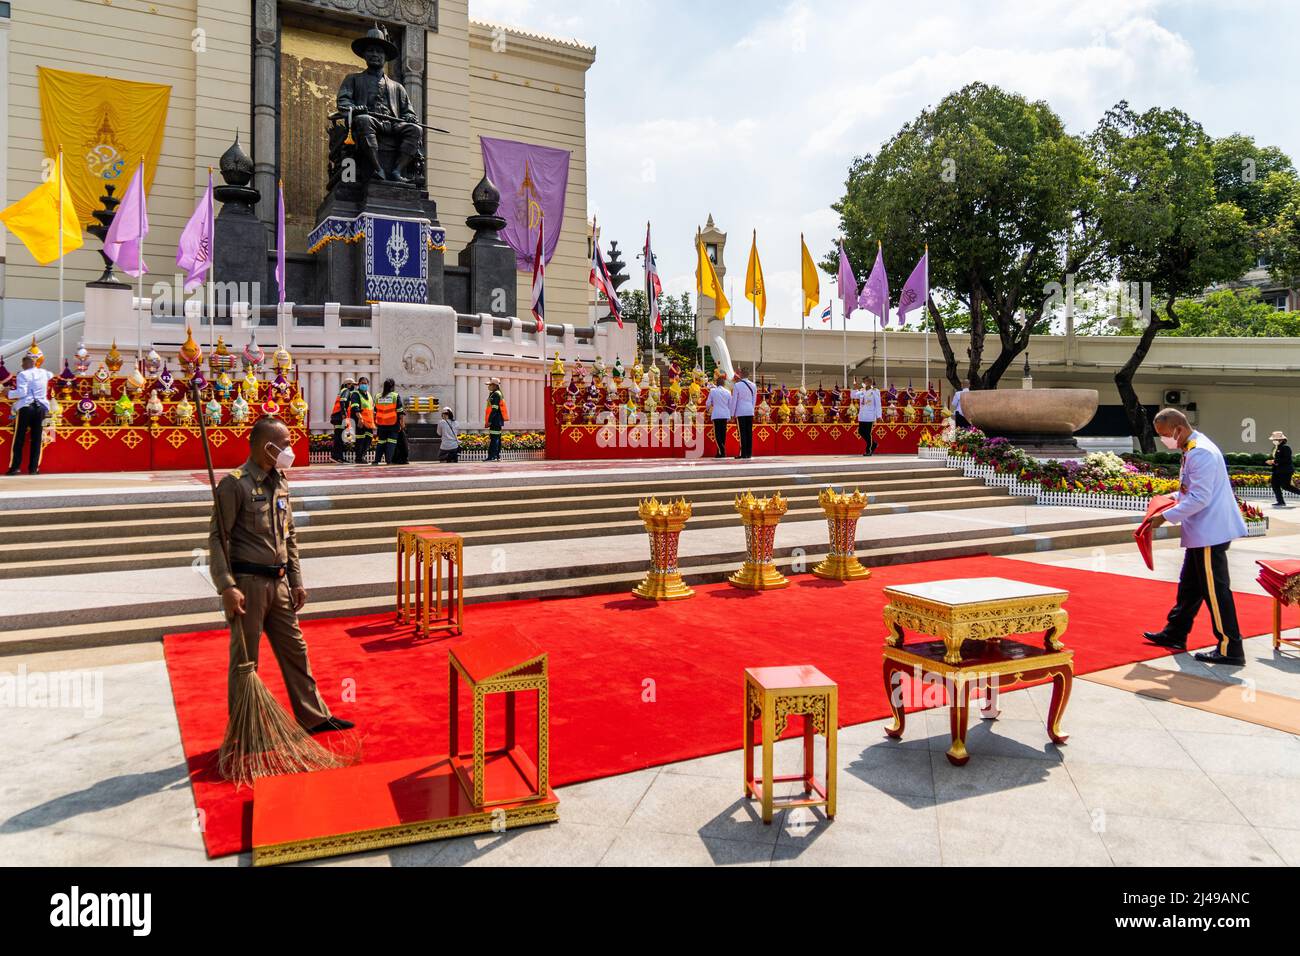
(760, 517)
(190, 355)
(663, 521)
(184, 412)
(842, 512)
(113, 360)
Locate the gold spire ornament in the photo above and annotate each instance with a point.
(842, 512)
(663, 522)
(190, 354)
(113, 360)
(760, 517)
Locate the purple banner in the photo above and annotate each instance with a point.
(533, 181)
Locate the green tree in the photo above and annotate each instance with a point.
(1233, 312)
(1002, 194)
(1163, 223)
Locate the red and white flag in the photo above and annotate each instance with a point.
(653, 288)
(539, 281)
(600, 278)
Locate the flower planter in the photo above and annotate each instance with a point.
(1256, 529)
(933, 453)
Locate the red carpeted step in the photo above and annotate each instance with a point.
(635, 684)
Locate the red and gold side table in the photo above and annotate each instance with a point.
(663, 523)
(973, 619)
(760, 517)
(500, 663)
(408, 570)
(772, 696)
(842, 513)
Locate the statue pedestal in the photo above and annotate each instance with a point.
(378, 243)
(110, 315)
(417, 349)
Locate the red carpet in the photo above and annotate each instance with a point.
(635, 684)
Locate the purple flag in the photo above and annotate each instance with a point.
(124, 242)
(194, 253)
(533, 181)
(917, 290)
(847, 284)
(875, 294)
(280, 242)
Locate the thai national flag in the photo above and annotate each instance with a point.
(826, 313)
(539, 281)
(653, 288)
(601, 280)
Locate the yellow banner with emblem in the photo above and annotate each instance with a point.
(105, 126)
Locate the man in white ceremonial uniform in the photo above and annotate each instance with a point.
(1210, 518)
(743, 397)
(31, 403)
(719, 406)
(868, 398)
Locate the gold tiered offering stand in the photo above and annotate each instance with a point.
(842, 513)
(760, 517)
(663, 522)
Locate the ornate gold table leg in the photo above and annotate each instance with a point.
(664, 523)
(958, 711)
(1052, 639)
(894, 693)
(1062, 679)
(842, 513)
(760, 517)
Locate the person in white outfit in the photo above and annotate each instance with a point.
(448, 440)
(719, 406)
(743, 397)
(31, 403)
(868, 398)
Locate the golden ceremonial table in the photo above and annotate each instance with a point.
(421, 551)
(972, 619)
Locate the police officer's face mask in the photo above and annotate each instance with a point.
(283, 456)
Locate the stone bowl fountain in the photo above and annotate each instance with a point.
(1042, 421)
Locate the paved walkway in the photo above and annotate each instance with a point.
(1141, 782)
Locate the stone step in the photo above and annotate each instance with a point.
(347, 510)
(145, 626)
(116, 554)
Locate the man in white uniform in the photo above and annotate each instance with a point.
(868, 398)
(31, 403)
(719, 405)
(743, 397)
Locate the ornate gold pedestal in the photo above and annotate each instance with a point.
(664, 523)
(760, 517)
(842, 513)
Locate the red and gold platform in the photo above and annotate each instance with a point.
(607, 416)
(146, 420)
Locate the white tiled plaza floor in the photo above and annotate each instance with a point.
(1140, 782)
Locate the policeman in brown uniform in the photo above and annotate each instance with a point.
(263, 582)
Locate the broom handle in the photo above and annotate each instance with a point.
(216, 501)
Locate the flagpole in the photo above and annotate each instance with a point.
(884, 321)
(139, 281)
(803, 322)
(844, 323)
(59, 185)
(212, 269)
(925, 311)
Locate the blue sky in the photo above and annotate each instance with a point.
(752, 111)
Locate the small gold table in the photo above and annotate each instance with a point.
(972, 617)
(772, 696)
(421, 551)
(975, 609)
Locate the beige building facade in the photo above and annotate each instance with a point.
(223, 62)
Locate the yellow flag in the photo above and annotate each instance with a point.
(706, 281)
(34, 219)
(755, 287)
(812, 292)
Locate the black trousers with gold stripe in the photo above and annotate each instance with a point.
(27, 428)
(1205, 579)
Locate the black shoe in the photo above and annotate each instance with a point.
(11, 471)
(1163, 640)
(332, 723)
(1214, 657)
(34, 471)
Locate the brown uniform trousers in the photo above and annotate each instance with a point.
(259, 521)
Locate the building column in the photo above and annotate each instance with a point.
(266, 58)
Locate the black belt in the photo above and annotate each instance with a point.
(261, 570)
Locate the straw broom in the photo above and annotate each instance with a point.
(262, 739)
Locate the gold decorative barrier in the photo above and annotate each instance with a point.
(663, 522)
(760, 517)
(842, 513)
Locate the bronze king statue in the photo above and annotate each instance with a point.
(376, 106)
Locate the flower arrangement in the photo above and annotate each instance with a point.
(1249, 512)
(510, 441)
(931, 440)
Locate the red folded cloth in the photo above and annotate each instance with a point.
(1280, 579)
(1144, 532)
